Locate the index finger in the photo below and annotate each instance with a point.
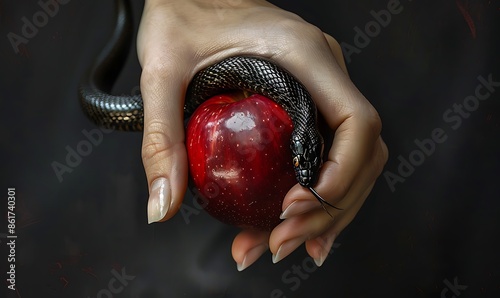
(346, 111)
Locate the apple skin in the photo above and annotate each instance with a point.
(240, 159)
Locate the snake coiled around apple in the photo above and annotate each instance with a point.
(250, 74)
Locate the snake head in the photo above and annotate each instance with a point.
(307, 160)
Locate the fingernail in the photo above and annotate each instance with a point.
(298, 207)
(324, 250)
(159, 200)
(286, 248)
(252, 256)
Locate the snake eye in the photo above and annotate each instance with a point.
(295, 161)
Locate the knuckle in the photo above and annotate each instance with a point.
(314, 35)
(374, 121)
(334, 44)
(313, 32)
(156, 70)
(155, 143)
(168, 64)
(297, 33)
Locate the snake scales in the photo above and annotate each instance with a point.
(250, 74)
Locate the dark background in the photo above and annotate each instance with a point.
(437, 228)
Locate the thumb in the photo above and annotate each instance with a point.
(163, 150)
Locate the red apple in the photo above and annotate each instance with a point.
(240, 158)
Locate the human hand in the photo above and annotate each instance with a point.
(177, 38)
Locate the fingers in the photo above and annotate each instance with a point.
(163, 151)
(352, 149)
(347, 112)
(313, 223)
(355, 160)
(248, 246)
(319, 248)
(315, 226)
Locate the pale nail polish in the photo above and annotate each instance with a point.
(326, 245)
(286, 248)
(159, 200)
(252, 256)
(298, 207)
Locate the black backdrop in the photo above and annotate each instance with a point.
(428, 230)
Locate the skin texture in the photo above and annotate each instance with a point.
(177, 38)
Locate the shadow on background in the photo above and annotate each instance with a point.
(429, 228)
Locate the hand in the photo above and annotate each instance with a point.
(177, 38)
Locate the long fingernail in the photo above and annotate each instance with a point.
(324, 250)
(252, 256)
(159, 200)
(286, 248)
(298, 207)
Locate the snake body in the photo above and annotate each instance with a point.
(251, 74)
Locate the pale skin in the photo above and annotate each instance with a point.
(177, 38)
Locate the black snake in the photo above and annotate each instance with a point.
(249, 74)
